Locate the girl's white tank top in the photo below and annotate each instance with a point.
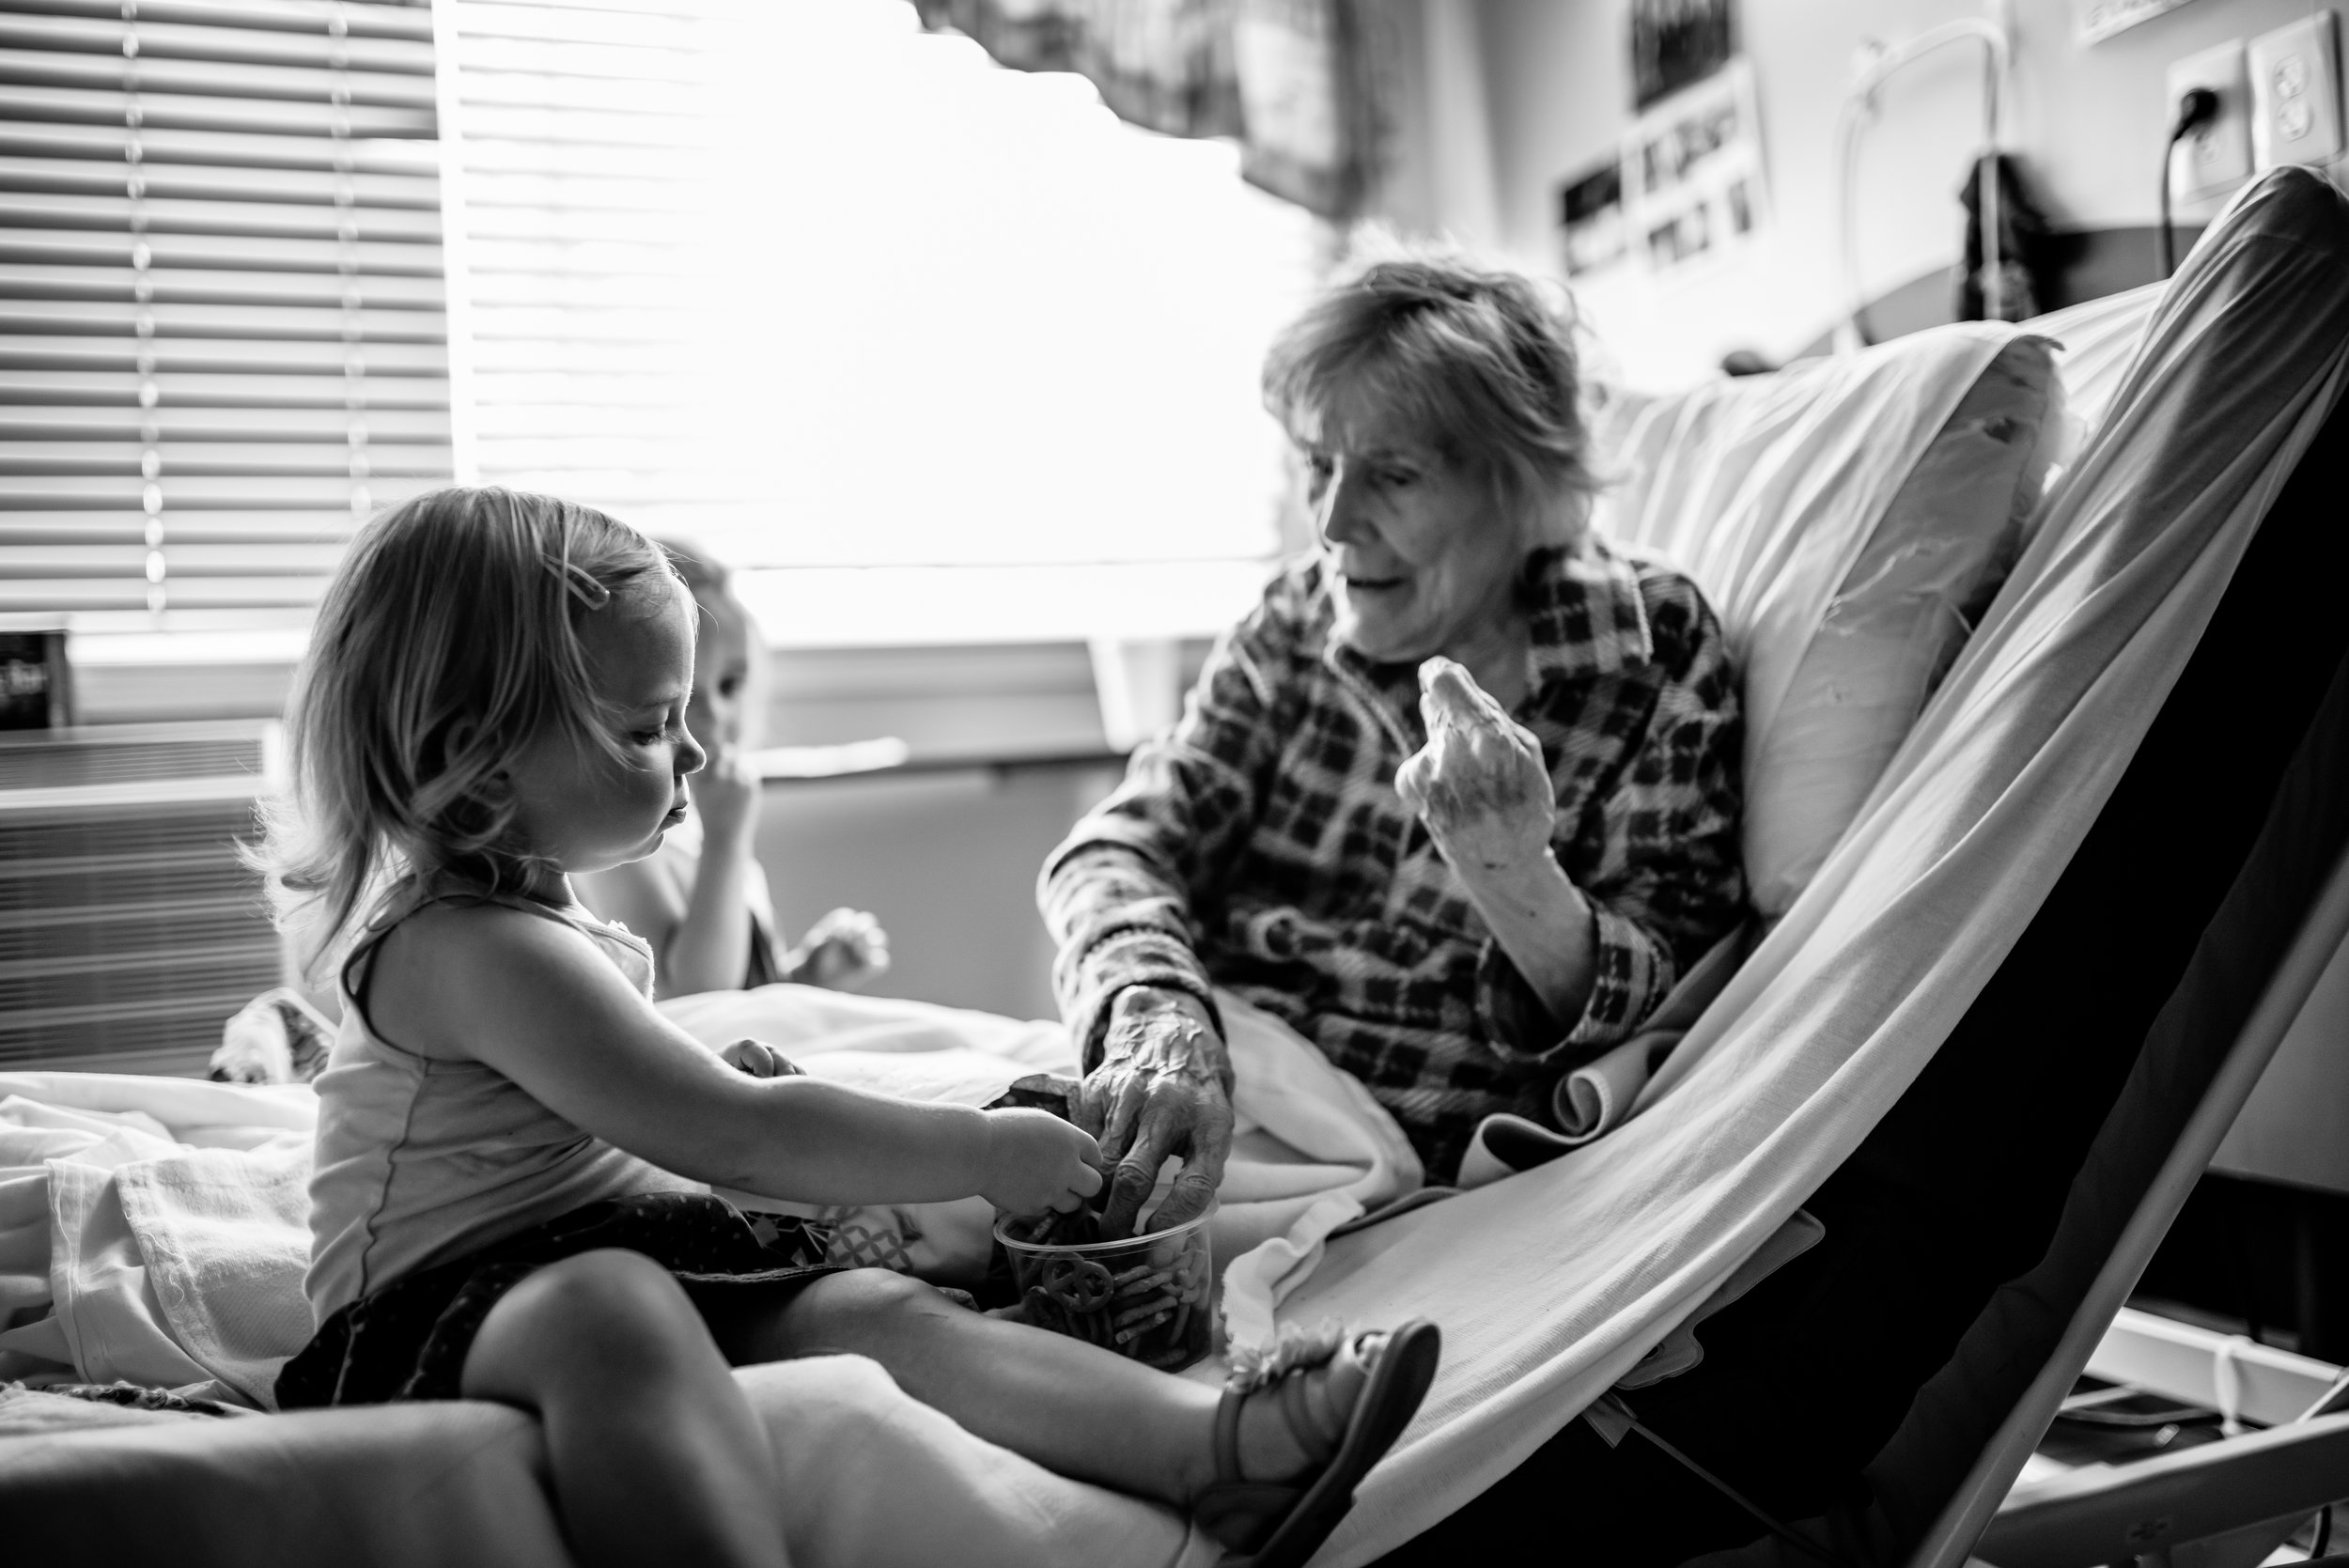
(418, 1160)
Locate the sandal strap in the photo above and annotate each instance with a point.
(1227, 1434)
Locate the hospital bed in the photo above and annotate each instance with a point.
(1991, 1040)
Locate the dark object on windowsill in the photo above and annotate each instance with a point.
(35, 684)
(2024, 271)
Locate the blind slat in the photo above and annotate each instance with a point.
(205, 252)
(170, 286)
(30, 351)
(198, 492)
(81, 561)
(66, 595)
(108, 460)
(409, 21)
(217, 182)
(159, 39)
(205, 390)
(260, 219)
(161, 147)
(306, 322)
(582, 128)
(625, 27)
(193, 112)
(226, 80)
(328, 526)
(32, 422)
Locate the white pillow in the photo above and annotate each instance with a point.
(1846, 519)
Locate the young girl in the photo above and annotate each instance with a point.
(512, 1143)
(702, 901)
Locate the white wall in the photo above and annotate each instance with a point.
(2088, 122)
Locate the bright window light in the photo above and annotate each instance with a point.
(940, 351)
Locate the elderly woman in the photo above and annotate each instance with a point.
(1458, 800)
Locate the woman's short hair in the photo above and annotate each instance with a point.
(447, 643)
(1471, 357)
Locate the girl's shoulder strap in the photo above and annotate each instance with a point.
(629, 950)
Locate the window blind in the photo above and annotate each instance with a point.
(223, 323)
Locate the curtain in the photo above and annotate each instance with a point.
(1297, 82)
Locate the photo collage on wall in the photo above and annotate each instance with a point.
(1686, 188)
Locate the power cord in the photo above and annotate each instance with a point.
(2197, 107)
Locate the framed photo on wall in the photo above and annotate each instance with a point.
(1591, 219)
(1675, 43)
(1693, 190)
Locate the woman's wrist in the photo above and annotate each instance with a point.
(1169, 1027)
(1547, 927)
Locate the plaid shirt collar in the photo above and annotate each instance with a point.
(1585, 617)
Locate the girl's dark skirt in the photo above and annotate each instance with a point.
(409, 1339)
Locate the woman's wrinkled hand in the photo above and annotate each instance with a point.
(845, 949)
(1164, 1089)
(1479, 783)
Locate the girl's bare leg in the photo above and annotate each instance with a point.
(1072, 1407)
(657, 1456)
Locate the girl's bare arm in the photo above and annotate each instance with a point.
(537, 1000)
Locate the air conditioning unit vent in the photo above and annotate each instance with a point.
(130, 929)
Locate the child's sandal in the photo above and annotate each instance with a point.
(1276, 1524)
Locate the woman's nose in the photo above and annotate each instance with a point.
(1339, 520)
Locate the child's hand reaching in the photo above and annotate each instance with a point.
(1035, 1161)
(760, 1060)
(845, 949)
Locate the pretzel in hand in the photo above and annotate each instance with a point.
(1479, 783)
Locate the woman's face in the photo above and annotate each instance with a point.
(1423, 560)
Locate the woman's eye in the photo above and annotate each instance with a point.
(729, 684)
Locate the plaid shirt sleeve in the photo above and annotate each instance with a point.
(1671, 882)
(1117, 895)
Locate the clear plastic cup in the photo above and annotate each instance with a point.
(1145, 1297)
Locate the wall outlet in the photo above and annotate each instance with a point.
(2295, 94)
(2213, 161)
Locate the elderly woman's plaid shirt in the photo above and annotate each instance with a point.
(1261, 846)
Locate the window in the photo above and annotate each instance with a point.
(945, 352)
(220, 269)
(940, 351)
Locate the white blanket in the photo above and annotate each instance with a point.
(1549, 1285)
(164, 1219)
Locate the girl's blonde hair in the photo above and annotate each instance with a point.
(447, 643)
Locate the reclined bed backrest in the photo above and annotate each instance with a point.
(1848, 520)
(2042, 1123)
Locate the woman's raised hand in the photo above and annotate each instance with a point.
(1163, 1088)
(1035, 1161)
(1479, 783)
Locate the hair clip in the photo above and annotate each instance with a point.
(579, 583)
